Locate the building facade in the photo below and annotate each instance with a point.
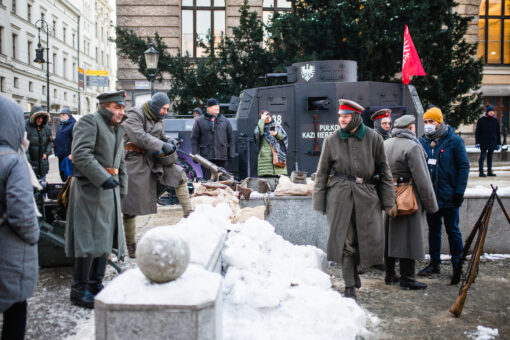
(78, 38)
(177, 22)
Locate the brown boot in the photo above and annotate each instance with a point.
(131, 250)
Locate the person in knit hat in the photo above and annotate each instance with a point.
(382, 122)
(448, 166)
(487, 139)
(352, 198)
(212, 137)
(145, 141)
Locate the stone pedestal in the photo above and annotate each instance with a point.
(189, 308)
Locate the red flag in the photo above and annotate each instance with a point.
(411, 64)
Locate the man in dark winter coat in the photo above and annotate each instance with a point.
(487, 139)
(212, 137)
(19, 230)
(145, 141)
(63, 141)
(39, 135)
(449, 169)
(352, 198)
(99, 180)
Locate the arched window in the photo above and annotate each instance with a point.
(198, 17)
(494, 31)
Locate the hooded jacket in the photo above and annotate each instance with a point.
(40, 141)
(19, 230)
(64, 137)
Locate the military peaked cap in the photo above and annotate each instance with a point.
(119, 97)
(382, 113)
(349, 107)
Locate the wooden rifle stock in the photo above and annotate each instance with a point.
(456, 308)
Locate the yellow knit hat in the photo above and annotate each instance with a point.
(434, 113)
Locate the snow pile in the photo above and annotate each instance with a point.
(494, 257)
(483, 333)
(276, 290)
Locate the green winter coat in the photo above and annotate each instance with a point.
(361, 156)
(94, 220)
(40, 143)
(265, 166)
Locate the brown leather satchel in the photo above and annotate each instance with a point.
(63, 195)
(276, 162)
(405, 199)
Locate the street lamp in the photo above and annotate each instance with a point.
(151, 59)
(39, 56)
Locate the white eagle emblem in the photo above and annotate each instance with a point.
(307, 72)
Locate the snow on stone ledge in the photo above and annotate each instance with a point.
(195, 287)
(485, 191)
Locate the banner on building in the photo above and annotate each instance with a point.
(97, 78)
(81, 78)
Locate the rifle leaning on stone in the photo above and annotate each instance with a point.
(457, 274)
(472, 268)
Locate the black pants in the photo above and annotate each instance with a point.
(15, 321)
(207, 173)
(63, 176)
(485, 152)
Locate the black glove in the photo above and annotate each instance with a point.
(111, 183)
(168, 148)
(458, 199)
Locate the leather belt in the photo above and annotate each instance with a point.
(357, 180)
(129, 146)
(112, 171)
(402, 180)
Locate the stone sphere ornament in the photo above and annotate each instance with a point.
(162, 255)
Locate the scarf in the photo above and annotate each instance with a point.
(404, 133)
(378, 128)
(439, 133)
(149, 114)
(354, 123)
(279, 146)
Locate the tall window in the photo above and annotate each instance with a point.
(54, 28)
(64, 34)
(14, 43)
(198, 17)
(1, 40)
(54, 63)
(494, 31)
(29, 12)
(14, 6)
(269, 7)
(29, 52)
(64, 66)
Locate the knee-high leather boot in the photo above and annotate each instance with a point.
(407, 281)
(96, 276)
(80, 294)
(389, 267)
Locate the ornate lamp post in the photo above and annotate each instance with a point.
(151, 59)
(39, 56)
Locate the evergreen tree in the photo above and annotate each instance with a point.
(371, 32)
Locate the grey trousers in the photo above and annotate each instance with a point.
(351, 253)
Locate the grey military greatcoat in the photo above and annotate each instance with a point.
(93, 213)
(143, 170)
(405, 233)
(340, 197)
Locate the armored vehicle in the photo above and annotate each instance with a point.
(306, 106)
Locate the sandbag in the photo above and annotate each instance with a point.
(244, 214)
(286, 188)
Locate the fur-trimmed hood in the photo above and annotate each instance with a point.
(36, 112)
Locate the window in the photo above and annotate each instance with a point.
(74, 71)
(107, 61)
(54, 28)
(43, 89)
(29, 12)
(1, 40)
(74, 38)
(63, 34)
(65, 95)
(29, 52)
(2, 84)
(64, 65)
(97, 56)
(198, 17)
(54, 63)
(14, 6)
(30, 86)
(16, 82)
(494, 31)
(42, 16)
(102, 58)
(14, 43)
(74, 98)
(54, 93)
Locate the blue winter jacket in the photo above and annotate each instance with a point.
(64, 137)
(450, 173)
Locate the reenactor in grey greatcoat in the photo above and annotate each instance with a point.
(382, 122)
(145, 141)
(354, 196)
(99, 180)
